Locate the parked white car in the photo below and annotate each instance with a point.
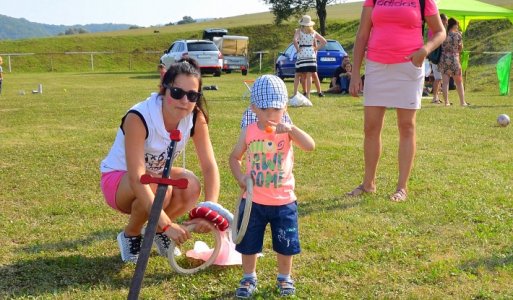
(205, 52)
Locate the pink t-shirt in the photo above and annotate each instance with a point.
(269, 160)
(396, 29)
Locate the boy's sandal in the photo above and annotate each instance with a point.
(398, 196)
(286, 287)
(246, 288)
(358, 191)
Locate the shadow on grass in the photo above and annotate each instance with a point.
(491, 263)
(261, 293)
(70, 245)
(334, 203)
(48, 272)
(43, 276)
(149, 76)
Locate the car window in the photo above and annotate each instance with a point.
(291, 50)
(332, 46)
(201, 46)
(175, 47)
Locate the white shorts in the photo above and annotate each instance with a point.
(393, 85)
(436, 73)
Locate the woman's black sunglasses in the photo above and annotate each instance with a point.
(178, 93)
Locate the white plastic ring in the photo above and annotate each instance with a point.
(174, 265)
(238, 233)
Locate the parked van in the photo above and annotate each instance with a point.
(210, 33)
(234, 49)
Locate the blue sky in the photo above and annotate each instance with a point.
(140, 12)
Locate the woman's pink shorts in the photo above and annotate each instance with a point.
(109, 184)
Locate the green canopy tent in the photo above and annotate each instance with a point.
(467, 10)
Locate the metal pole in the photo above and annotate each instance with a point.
(260, 69)
(92, 62)
(156, 208)
(9, 59)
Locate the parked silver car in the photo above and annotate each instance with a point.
(205, 52)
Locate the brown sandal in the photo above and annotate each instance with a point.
(358, 191)
(398, 196)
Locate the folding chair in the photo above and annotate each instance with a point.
(248, 83)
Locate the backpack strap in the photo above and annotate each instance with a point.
(423, 10)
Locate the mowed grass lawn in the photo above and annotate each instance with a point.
(453, 238)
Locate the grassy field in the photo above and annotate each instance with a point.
(451, 239)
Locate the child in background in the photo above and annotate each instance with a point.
(269, 162)
(345, 79)
(162, 71)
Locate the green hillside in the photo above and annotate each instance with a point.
(20, 28)
(140, 49)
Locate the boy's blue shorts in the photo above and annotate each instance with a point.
(284, 228)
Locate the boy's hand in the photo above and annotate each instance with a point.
(281, 127)
(242, 181)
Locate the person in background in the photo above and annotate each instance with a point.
(335, 85)
(315, 80)
(394, 77)
(306, 41)
(434, 69)
(274, 200)
(450, 65)
(345, 79)
(162, 71)
(140, 148)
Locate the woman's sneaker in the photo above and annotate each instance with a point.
(162, 242)
(286, 287)
(129, 247)
(246, 288)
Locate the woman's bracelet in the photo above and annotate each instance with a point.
(166, 227)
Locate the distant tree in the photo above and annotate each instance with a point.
(186, 20)
(284, 9)
(73, 30)
(134, 27)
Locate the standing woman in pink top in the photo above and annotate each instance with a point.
(390, 38)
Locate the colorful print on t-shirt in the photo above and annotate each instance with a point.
(269, 161)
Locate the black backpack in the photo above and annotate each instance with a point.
(435, 55)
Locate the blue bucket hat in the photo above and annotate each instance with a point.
(269, 91)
